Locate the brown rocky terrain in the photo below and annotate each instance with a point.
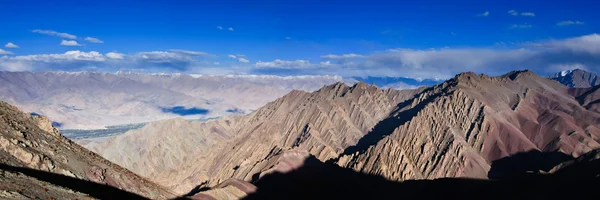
(321, 123)
(159, 150)
(484, 119)
(32, 149)
(455, 129)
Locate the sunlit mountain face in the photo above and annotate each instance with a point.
(265, 99)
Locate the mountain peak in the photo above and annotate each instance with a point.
(576, 78)
(519, 73)
(568, 72)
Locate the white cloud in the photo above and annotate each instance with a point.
(220, 27)
(160, 56)
(528, 14)
(216, 63)
(68, 60)
(69, 43)
(243, 60)
(569, 22)
(230, 29)
(11, 45)
(326, 63)
(5, 52)
(520, 26)
(485, 14)
(232, 56)
(93, 40)
(344, 56)
(13, 66)
(241, 55)
(67, 56)
(515, 13)
(190, 53)
(54, 33)
(115, 55)
(79, 60)
(285, 64)
(588, 44)
(542, 56)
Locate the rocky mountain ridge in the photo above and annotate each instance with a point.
(31, 142)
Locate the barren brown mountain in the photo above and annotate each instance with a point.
(38, 162)
(454, 129)
(323, 123)
(468, 122)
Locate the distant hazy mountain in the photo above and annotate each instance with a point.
(577, 78)
(394, 82)
(93, 100)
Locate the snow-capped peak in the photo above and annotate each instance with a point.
(563, 73)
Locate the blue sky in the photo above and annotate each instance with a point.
(426, 39)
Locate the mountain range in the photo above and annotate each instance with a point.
(509, 132)
(454, 129)
(95, 100)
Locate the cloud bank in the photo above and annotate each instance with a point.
(545, 57)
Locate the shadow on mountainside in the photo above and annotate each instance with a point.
(524, 163)
(317, 180)
(93, 189)
(387, 126)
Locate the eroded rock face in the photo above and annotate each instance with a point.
(465, 124)
(31, 142)
(322, 123)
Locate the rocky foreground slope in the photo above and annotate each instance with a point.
(38, 162)
(455, 129)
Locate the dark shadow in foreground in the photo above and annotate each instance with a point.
(317, 180)
(522, 163)
(93, 189)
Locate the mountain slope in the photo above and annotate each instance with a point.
(31, 142)
(462, 126)
(577, 78)
(159, 149)
(323, 123)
